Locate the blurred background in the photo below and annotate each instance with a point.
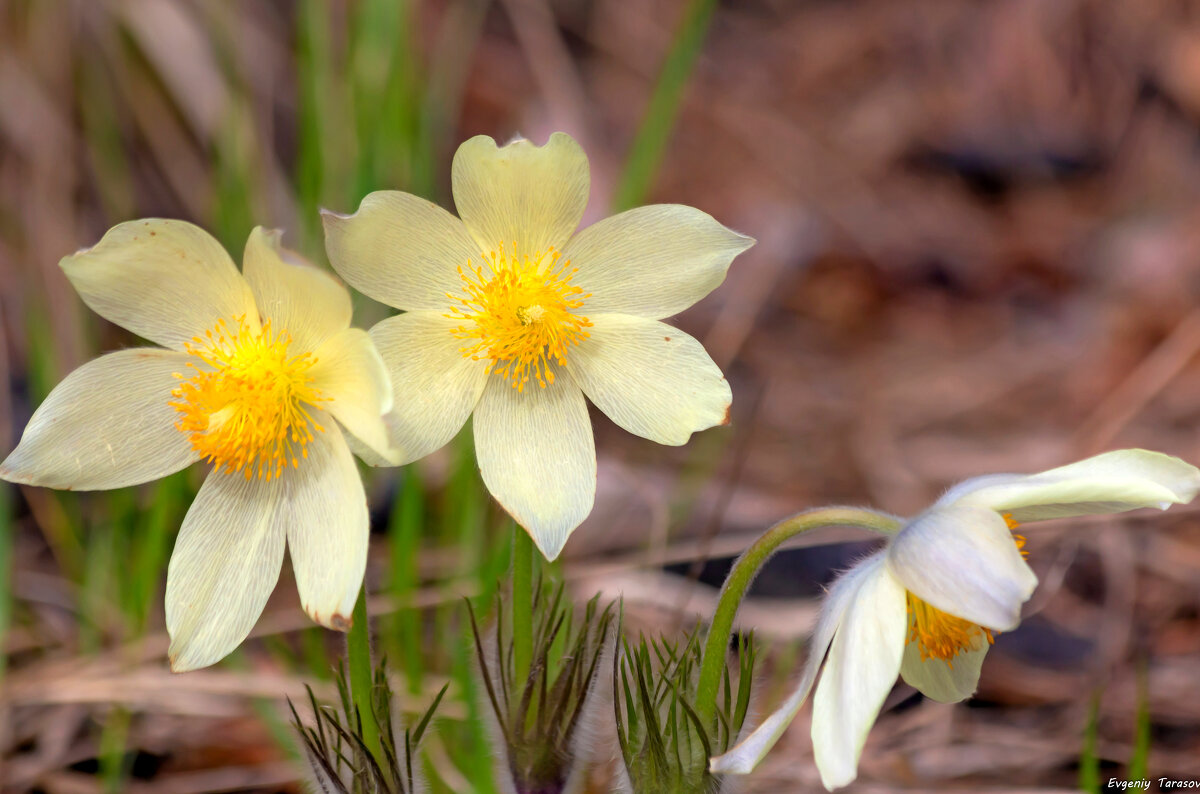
(978, 250)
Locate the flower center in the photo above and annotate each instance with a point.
(245, 405)
(519, 312)
(940, 635)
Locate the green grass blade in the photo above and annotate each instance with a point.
(151, 548)
(651, 139)
(314, 77)
(1089, 762)
(115, 760)
(404, 530)
(233, 212)
(102, 136)
(386, 99)
(1139, 762)
(97, 585)
(315, 653)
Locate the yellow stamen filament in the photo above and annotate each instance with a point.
(1018, 539)
(519, 313)
(940, 635)
(245, 405)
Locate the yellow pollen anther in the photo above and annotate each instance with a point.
(940, 635)
(245, 406)
(1017, 539)
(518, 311)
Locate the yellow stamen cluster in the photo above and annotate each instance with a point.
(519, 312)
(1018, 539)
(245, 405)
(940, 635)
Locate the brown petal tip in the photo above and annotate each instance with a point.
(339, 622)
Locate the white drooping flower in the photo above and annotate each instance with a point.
(512, 315)
(926, 606)
(259, 374)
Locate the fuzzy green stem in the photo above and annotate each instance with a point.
(716, 644)
(362, 680)
(522, 604)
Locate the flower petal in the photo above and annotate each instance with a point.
(165, 280)
(107, 425)
(650, 378)
(537, 456)
(963, 560)
(652, 261)
(937, 680)
(225, 565)
(327, 529)
(349, 372)
(860, 671)
(296, 296)
(1113, 482)
(519, 194)
(400, 249)
(742, 759)
(435, 386)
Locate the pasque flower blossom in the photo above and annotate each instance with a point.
(259, 374)
(512, 315)
(928, 604)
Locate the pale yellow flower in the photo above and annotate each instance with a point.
(513, 315)
(926, 606)
(259, 374)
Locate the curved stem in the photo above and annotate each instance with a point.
(716, 644)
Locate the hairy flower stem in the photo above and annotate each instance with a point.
(716, 644)
(358, 650)
(522, 603)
